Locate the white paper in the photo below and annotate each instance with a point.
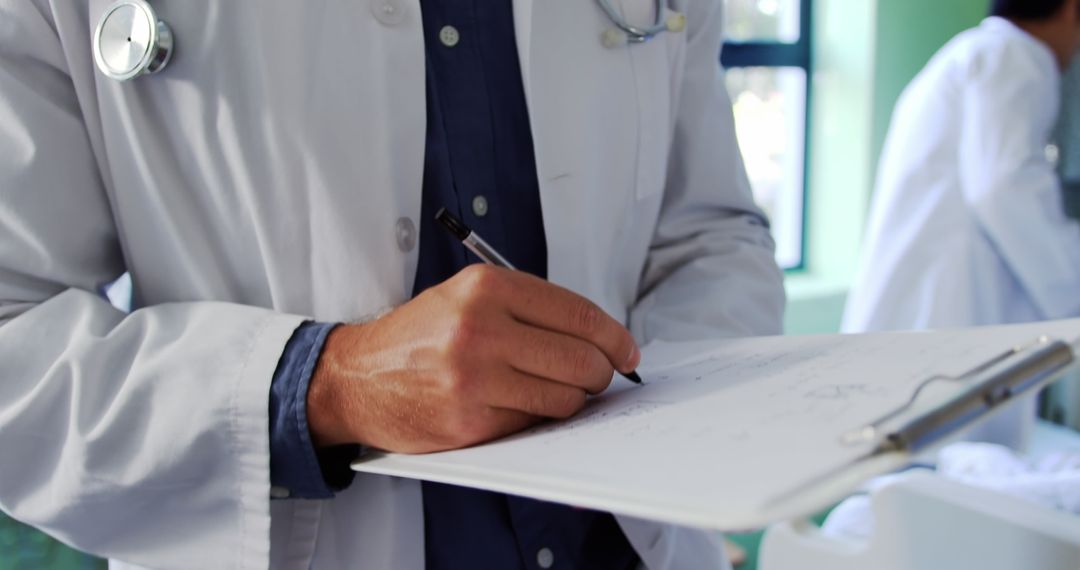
(723, 431)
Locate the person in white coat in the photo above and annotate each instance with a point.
(274, 175)
(967, 225)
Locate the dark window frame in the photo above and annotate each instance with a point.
(737, 54)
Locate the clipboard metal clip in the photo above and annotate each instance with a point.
(993, 382)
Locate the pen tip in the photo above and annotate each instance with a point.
(633, 377)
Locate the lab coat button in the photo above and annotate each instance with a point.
(406, 234)
(1053, 154)
(389, 12)
(480, 206)
(449, 36)
(545, 558)
(279, 493)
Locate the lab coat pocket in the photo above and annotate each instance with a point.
(655, 65)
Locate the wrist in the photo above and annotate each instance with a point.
(326, 408)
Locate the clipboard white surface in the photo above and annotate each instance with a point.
(724, 429)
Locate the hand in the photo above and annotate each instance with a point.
(485, 354)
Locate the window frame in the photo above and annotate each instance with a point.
(738, 54)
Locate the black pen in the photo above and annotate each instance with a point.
(484, 251)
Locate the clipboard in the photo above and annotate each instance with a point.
(737, 434)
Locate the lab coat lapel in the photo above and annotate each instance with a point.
(544, 71)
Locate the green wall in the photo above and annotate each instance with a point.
(909, 32)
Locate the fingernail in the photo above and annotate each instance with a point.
(635, 356)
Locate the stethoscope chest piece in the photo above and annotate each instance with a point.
(131, 41)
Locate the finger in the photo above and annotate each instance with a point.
(507, 421)
(535, 301)
(558, 357)
(486, 423)
(525, 393)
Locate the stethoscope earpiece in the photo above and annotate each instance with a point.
(613, 38)
(130, 41)
(623, 33)
(676, 23)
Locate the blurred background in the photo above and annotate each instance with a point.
(813, 84)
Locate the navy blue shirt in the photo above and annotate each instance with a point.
(480, 165)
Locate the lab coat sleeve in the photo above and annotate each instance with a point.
(710, 270)
(1010, 105)
(142, 437)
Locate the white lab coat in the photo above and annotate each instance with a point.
(273, 173)
(967, 226)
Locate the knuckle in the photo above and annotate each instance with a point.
(479, 279)
(471, 272)
(587, 317)
(583, 363)
(549, 351)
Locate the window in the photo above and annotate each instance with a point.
(767, 57)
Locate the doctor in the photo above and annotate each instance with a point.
(279, 176)
(967, 226)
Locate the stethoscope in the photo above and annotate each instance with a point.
(131, 41)
(624, 34)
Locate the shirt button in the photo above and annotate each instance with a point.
(480, 206)
(449, 36)
(389, 12)
(545, 557)
(406, 234)
(279, 493)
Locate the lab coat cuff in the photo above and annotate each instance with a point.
(249, 429)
